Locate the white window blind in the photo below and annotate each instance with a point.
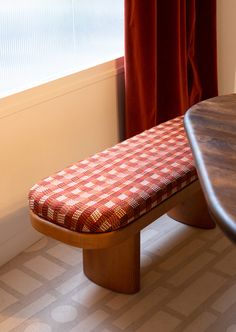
(41, 40)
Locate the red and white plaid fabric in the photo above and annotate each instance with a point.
(114, 187)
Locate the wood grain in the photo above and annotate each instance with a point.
(116, 268)
(211, 129)
(193, 212)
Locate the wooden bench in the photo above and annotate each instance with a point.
(102, 203)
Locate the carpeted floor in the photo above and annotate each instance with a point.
(188, 285)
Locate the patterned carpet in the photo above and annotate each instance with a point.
(188, 285)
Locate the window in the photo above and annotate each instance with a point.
(42, 40)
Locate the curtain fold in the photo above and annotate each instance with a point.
(170, 59)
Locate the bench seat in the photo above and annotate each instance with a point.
(113, 188)
(103, 202)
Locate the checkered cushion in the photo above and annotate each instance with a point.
(114, 187)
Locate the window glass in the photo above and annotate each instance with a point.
(46, 39)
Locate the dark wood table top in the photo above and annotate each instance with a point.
(211, 129)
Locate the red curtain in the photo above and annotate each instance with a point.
(170, 59)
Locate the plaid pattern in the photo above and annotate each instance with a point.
(114, 187)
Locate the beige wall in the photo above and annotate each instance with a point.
(226, 32)
(47, 128)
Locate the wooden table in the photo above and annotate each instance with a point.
(211, 129)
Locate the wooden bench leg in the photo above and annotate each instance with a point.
(116, 268)
(193, 212)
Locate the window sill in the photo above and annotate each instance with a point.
(37, 95)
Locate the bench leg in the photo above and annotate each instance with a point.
(193, 212)
(116, 268)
